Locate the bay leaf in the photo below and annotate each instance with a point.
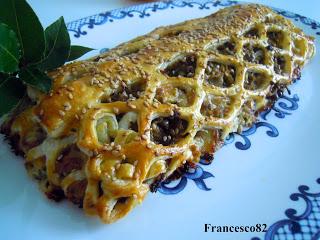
(11, 92)
(9, 50)
(77, 51)
(57, 45)
(36, 78)
(20, 17)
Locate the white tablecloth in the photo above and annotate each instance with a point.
(49, 11)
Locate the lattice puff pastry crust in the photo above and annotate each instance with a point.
(123, 121)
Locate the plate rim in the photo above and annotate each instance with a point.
(145, 9)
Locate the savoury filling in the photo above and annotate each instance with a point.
(254, 80)
(127, 92)
(219, 74)
(215, 106)
(76, 191)
(253, 54)
(69, 160)
(227, 48)
(252, 33)
(279, 64)
(275, 38)
(181, 96)
(184, 67)
(168, 130)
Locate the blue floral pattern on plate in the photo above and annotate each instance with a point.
(303, 226)
(298, 226)
(145, 10)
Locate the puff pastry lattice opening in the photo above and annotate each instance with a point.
(118, 124)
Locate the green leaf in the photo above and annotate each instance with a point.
(57, 45)
(9, 50)
(36, 78)
(3, 77)
(11, 91)
(77, 51)
(19, 16)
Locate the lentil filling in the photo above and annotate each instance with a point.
(181, 96)
(227, 48)
(127, 92)
(254, 80)
(253, 54)
(168, 130)
(215, 106)
(69, 160)
(252, 33)
(184, 67)
(279, 64)
(275, 38)
(76, 191)
(220, 75)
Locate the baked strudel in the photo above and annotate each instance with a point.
(117, 125)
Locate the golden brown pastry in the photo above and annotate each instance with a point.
(123, 121)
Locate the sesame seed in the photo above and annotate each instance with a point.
(62, 113)
(67, 106)
(115, 152)
(84, 110)
(70, 96)
(132, 105)
(135, 196)
(123, 157)
(118, 147)
(105, 147)
(137, 138)
(109, 148)
(115, 110)
(149, 146)
(144, 137)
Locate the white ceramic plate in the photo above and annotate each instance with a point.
(256, 176)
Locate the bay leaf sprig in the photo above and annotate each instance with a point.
(27, 52)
